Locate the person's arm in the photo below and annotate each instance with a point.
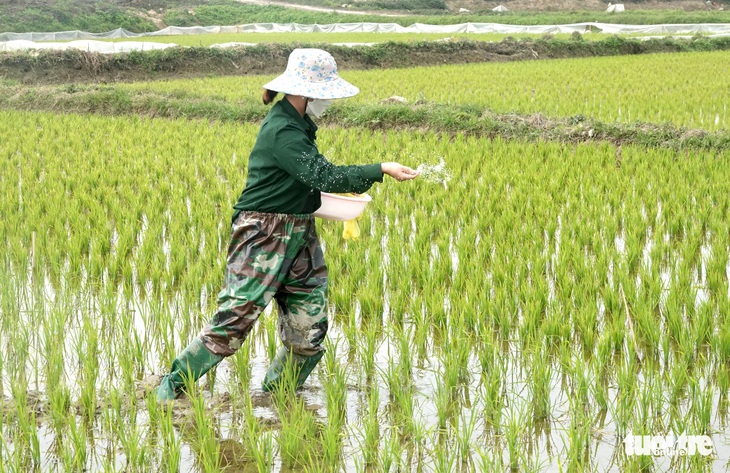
(300, 159)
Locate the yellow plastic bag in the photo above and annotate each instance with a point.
(351, 230)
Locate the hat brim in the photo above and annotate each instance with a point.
(337, 88)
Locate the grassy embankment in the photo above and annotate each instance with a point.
(605, 114)
(105, 16)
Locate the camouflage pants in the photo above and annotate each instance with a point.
(272, 256)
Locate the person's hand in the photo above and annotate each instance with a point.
(398, 171)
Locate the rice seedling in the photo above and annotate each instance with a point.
(131, 438)
(540, 375)
(334, 382)
(467, 425)
(241, 363)
(171, 444)
(371, 428)
(514, 429)
(260, 444)
(204, 435)
(76, 459)
(367, 346)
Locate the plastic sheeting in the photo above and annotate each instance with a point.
(68, 35)
(85, 45)
(710, 28)
(617, 8)
(18, 41)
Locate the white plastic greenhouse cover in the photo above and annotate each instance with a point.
(85, 45)
(19, 41)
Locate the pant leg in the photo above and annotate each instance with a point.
(262, 250)
(302, 301)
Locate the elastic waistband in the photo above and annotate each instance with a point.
(294, 218)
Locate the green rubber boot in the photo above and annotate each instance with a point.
(191, 364)
(303, 366)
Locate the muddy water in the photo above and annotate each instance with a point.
(546, 444)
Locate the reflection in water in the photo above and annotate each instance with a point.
(410, 399)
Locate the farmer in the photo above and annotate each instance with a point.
(274, 251)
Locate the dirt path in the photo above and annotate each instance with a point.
(320, 9)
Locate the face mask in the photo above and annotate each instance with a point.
(317, 107)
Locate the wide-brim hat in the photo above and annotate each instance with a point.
(312, 73)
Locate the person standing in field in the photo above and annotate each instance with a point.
(274, 251)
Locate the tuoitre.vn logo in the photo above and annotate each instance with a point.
(668, 445)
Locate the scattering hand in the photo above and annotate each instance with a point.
(398, 171)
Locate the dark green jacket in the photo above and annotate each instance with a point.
(286, 172)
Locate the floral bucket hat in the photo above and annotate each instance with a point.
(312, 73)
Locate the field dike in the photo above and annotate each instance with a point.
(386, 115)
(62, 67)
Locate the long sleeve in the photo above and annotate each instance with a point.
(286, 172)
(299, 157)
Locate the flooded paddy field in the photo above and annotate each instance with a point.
(534, 311)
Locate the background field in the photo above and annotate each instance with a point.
(354, 38)
(652, 88)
